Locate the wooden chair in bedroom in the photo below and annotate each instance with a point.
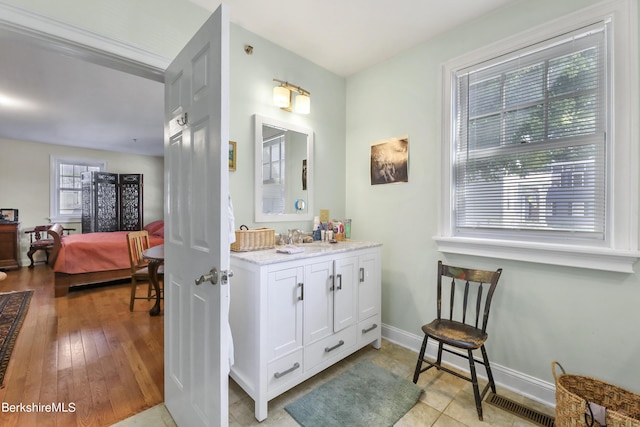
(463, 327)
(39, 240)
(137, 242)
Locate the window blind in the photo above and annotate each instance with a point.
(530, 150)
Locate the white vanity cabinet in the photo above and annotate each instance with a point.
(294, 315)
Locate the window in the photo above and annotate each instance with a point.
(273, 174)
(536, 161)
(530, 152)
(66, 188)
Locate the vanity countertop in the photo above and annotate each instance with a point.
(271, 256)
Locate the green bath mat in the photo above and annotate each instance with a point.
(366, 395)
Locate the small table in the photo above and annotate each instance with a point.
(155, 255)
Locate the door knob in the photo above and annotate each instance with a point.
(211, 277)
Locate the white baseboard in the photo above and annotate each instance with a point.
(525, 385)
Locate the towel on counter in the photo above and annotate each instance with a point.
(290, 249)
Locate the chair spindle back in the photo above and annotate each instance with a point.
(472, 279)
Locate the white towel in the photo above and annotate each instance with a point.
(232, 238)
(232, 223)
(290, 249)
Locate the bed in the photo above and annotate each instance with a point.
(84, 259)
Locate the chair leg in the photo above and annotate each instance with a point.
(416, 374)
(474, 381)
(134, 285)
(439, 360)
(30, 255)
(486, 365)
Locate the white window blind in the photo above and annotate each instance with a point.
(530, 150)
(66, 189)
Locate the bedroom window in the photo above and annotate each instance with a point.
(66, 188)
(537, 155)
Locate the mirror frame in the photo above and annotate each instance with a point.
(260, 216)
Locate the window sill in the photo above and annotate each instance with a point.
(64, 219)
(616, 260)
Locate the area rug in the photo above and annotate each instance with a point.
(365, 395)
(13, 309)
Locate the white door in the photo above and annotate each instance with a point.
(196, 236)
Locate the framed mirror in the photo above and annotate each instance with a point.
(283, 171)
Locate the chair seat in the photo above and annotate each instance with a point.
(42, 244)
(455, 333)
(143, 273)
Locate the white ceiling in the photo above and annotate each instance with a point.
(49, 97)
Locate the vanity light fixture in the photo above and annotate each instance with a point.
(282, 97)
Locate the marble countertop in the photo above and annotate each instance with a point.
(271, 256)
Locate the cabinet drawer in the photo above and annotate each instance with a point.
(329, 347)
(283, 370)
(369, 330)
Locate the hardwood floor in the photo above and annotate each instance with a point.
(84, 353)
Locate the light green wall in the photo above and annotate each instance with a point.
(25, 178)
(585, 319)
(252, 92)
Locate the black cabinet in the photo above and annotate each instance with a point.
(111, 202)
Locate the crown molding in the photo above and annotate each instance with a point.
(82, 44)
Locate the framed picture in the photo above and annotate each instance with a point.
(390, 161)
(8, 215)
(232, 155)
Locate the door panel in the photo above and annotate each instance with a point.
(284, 327)
(318, 301)
(369, 284)
(344, 295)
(196, 219)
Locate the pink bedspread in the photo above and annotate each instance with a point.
(84, 253)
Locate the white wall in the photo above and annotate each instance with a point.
(585, 319)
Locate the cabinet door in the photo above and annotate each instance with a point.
(369, 285)
(284, 311)
(318, 301)
(345, 292)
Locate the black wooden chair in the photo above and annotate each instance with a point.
(39, 240)
(460, 332)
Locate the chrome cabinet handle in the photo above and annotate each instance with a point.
(340, 281)
(329, 349)
(364, 331)
(361, 274)
(301, 286)
(288, 371)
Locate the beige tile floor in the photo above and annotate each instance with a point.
(447, 400)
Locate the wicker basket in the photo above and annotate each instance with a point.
(254, 240)
(573, 392)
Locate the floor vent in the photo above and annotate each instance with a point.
(521, 410)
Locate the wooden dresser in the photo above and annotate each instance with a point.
(9, 246)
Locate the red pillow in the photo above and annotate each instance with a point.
(155, 228)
